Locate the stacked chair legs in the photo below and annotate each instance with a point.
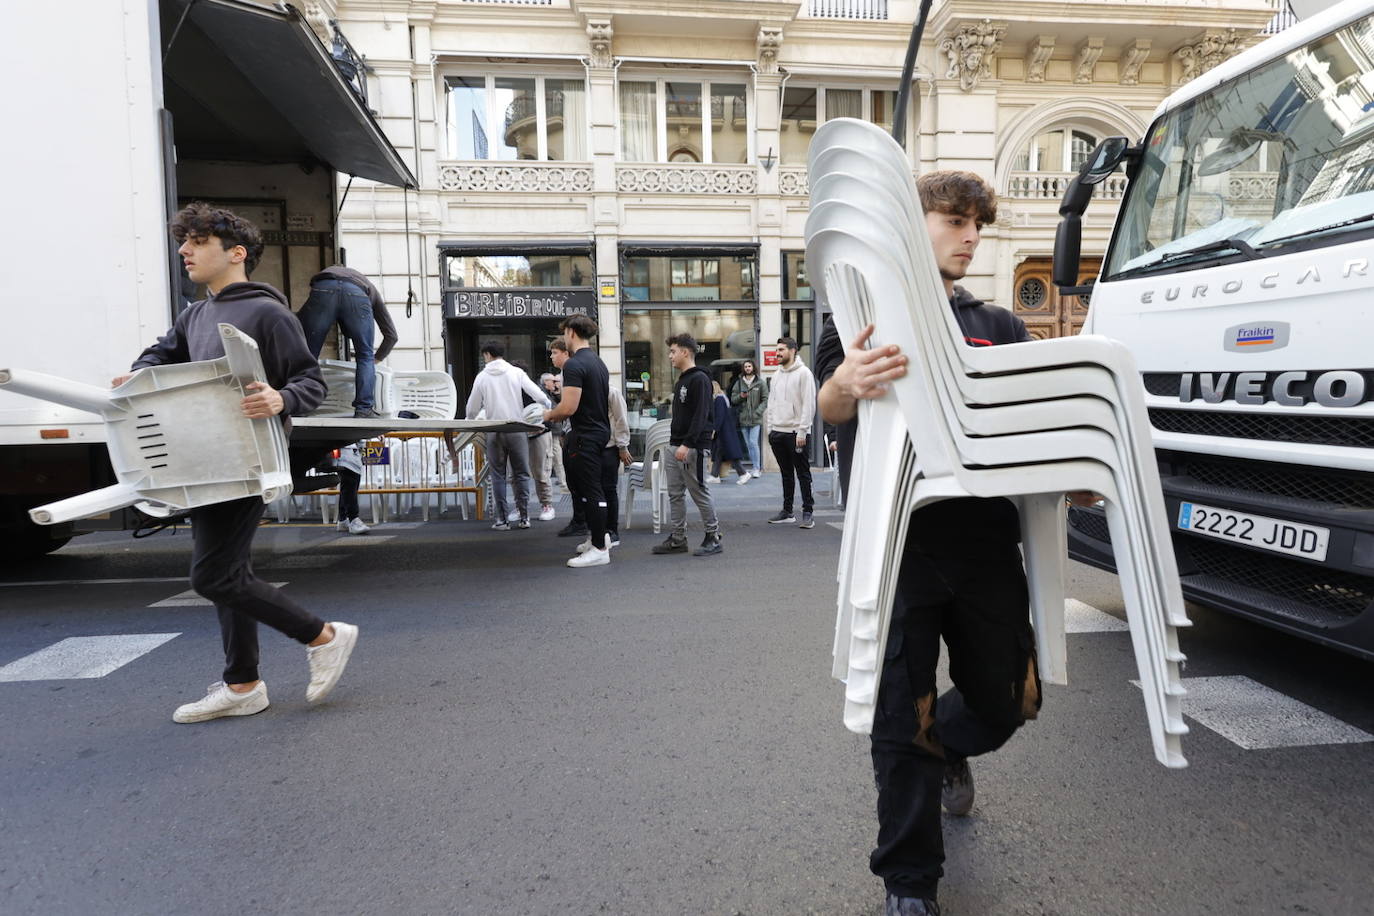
(1028, 421)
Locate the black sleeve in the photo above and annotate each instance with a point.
(1019, 332)
(169, 349)
(829, 352)
(573, 376)
(291, 368)
(701, 398)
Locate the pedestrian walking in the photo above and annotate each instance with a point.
(586, 404)
(343, 296)
(220, 249)
(960, 578)
(496, 394)
(726, 447)
(689, 436)
(348, 464)
(577, 525)
(749, 397)
(790, 413)
(615, 456)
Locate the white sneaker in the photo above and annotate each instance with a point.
(220, 701)
(342, 525)
(711, 478)
(584, 546)
(546, 513)
(357, 526)
(612, 542)
(748, 476)
(591, 557)
(513, 515)
(327, 661)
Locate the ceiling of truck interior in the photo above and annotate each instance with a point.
(251, 83)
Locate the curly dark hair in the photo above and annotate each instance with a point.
(961, 193)
(581, 325)
(199, 220)
(683, 341)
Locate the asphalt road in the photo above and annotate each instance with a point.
(659, 736)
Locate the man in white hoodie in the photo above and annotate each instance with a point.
(790, 414)
(496, 392)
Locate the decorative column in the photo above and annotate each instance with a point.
(601, 110)
(767, 136)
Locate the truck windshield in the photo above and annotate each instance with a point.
(1282, 154)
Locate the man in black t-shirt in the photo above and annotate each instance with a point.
(586, 403)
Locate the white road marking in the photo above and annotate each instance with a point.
(91, 581)
(189, 598)
(395, 525)
(838, 526)
(1084, 618)
(1255, 717)
(308, 561)
(82, 657)
(358, 539)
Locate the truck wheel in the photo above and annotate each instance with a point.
(23, 540)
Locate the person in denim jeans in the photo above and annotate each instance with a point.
(340, 295)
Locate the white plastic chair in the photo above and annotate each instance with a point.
(647, 475)
(176, 435)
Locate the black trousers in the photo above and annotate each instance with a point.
(579, 516)
(222, 571)
(349, 484)
(795, 464)
(582, 460)
(610, 487)
(977, 601)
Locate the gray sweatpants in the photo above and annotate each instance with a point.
(515, 448)
(539, 465)
(684, 477)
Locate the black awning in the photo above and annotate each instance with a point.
(698, 249)
(250, 83)
(494, 248)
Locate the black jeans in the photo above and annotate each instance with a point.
(977, 600)
(222, 571)
(582, 459)
(795, 464)
(349, 484)
(610, 487)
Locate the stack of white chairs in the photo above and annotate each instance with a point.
(648, 475)
(1029, 421)
(430, 395)
(176, 435)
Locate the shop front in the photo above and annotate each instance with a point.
(708, 291)
(514, 294)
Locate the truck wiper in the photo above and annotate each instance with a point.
(1232, 244)
(1308, 233)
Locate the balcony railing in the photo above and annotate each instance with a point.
(1051, 186)
(848, 9)
(351, 65)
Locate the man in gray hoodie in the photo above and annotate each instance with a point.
(496, 392)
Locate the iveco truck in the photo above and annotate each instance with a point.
(141, 106)
(1240, 272)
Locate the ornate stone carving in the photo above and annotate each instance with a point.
(600, 33)
(769, 40)
(1085, 59)
(1037, 56)
(793, 181)
(317, 16)
(515, 177)
(1133, 57)
(668, 179)
(971, 48)
(1215, 46)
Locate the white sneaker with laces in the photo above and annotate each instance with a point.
(748, 476)
(220, 701)
(612, 542)
(327, 661)
(591, 557)
(546, 513)
(711, 478)
(513, 515)
(342, 525)
(357, 526)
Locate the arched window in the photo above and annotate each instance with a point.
(1060, 150)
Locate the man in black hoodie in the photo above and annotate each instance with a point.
(683, 466)
(220, 250)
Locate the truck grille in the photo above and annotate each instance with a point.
(1090, 524)
(1288, 481)
(1356, 432)
(1320, 594)
(1163, 384)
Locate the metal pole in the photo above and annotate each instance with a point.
(908, 71)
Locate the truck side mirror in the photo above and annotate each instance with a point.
(1068, 237)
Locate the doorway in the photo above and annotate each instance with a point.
(1037, 302)
(526, 341)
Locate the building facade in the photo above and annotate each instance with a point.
(645, 162)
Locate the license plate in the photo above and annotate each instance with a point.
(1259, 531)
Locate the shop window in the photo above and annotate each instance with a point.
(664, 278)
(695, 278)
(683, 121)
(514, 271)
(509, 118)
(1059, 150)
(803, 107)
(795, 282)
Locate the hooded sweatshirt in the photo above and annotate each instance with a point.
(791, 399)
(692, 399)
(261, 312)
(496, 390)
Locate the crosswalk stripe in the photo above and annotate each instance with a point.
(82, 657)
(396, 525)
(92, 581)
(838, 526)
(1084, 618)
(1255, 717)
(361, 540)
(189, 598)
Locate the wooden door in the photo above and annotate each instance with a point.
(1037, 302)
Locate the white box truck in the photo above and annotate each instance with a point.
(143, 105)
(1240, 272)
